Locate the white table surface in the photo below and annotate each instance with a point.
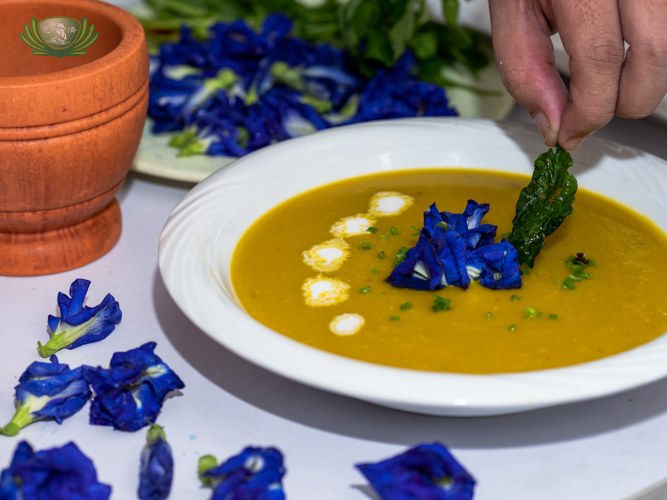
(605, 449)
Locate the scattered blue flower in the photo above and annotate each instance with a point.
(157, 466)
(78, 324)
(55, 474)
(425, 472)
(129, 394)
(253, 474)
(48, 390)
(454, 249)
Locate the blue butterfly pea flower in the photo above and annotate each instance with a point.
(129, 394)
(157, 466)
(78, 324)
(425, 472)
(253, 474)
(48, 390)
(436, 262)
(54, 474)
(468, 224)
(496, 265)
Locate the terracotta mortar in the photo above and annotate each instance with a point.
(69, 130)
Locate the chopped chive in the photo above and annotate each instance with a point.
(381, 254)
(585, 276)
(530, 313)
(394, 318)
(383, 237)
(381, 293)
(553, 316)
(512, 328)
(569, 282)
(539, 314)
(365, 289)
(365, 245)
(441, 304)
(415, 230)
(376, 270)
(406, 306)
(515, 297)
(489, 315)
(372, 230)
(400, 256)
(393, 230)
(444, 225)
(525, 272)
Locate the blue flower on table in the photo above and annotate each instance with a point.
(497, 266)
(48, 390)
(55, 474)
(157, 466)
(425, 472)
(129, 394)
(78, 324)
(253, 474)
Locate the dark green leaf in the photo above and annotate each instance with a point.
(450, 9)
(424, 45)
(544, 204)
(378, 48)
(441, 304)
(401, 32)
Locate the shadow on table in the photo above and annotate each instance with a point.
(350, 417)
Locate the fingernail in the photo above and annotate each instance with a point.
(542, 123)
(551, 139)
(574, 143)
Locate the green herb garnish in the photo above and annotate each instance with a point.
(489, 315)
(381, 254)
(553, 316)
(372, 230)
(530, 313)
(415, 230)
(512, 328)
(577, 265)
(544, 204)
(394, 318)
(443, 225)
(441, 304)
(400, 256)
(515, 297)
(376, 270)
(365, 289)
(406, 306)
(393, 230)
(365, 245)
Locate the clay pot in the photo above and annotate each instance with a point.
(69, 130)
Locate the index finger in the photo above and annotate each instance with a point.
(592, 36)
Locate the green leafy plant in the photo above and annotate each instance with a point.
(84, 39)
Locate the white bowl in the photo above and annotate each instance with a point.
(199, 238)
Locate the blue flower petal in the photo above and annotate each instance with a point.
(58, 473)
(48, 390)
(425, 472)
(253, 474)
(130, 393)
(79, 325)
(157, 467)
(500, 263)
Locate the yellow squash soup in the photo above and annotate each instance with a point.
(303, 271)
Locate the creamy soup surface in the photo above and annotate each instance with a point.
(621, 306)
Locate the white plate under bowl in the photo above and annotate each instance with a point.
(199, 238)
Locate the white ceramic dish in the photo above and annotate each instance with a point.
(156, 157)
(199, 238)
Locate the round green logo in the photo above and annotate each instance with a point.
(59, 36)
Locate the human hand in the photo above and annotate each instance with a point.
(602, 82)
